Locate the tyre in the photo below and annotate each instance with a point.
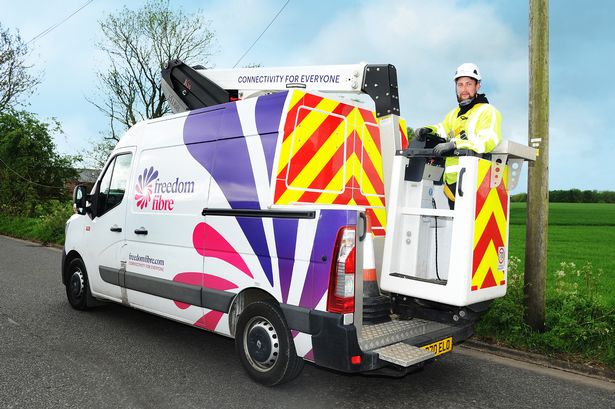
(77, 285)
(265, 346)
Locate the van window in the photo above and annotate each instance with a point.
(113, 184)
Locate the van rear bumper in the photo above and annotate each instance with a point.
(335, 344)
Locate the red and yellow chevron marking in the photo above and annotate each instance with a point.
(490, 228)
(331, 154)
(404, 133)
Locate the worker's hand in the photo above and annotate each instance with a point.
(443, 148)
(421, 133)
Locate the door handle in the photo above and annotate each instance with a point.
(116, 228)
(141, 230)
(460, 184)
(364, 218)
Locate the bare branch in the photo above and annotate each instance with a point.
(15, 80)
(138, 43)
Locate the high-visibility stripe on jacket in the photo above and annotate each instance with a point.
(479, 130)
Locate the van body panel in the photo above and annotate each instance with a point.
(168, 195)
(245, 149)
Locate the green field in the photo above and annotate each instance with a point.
(578, 233)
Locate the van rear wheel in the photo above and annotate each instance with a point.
(265, 346)
(77, 285)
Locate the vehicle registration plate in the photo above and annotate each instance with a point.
(440, 347)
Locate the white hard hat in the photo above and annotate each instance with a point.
(468, 70)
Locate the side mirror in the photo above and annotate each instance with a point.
(79, 199)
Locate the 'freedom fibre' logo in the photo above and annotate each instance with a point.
(150, 188)
(145, 187)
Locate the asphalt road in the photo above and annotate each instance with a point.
(52, 356)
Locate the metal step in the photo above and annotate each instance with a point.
(392, 332)
(403, 354)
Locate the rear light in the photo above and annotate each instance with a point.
(341, 280)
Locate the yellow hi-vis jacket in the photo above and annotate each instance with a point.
(477, 130)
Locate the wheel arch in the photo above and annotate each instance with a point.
(70, 256)
(242, 300)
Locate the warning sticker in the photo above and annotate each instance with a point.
(502, 258)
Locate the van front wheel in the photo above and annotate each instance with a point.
(77, 285)
(265, 346)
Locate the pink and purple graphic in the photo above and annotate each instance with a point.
(217, 247)
(212, 136)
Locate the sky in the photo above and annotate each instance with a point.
(425, 40)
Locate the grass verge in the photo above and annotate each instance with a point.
(579, 326)
(580, 303)
(46, 229)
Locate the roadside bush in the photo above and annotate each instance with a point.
(504, 320)
(51, 227)
(577, 322)
(47, 228)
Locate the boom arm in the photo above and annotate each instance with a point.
(189, 88)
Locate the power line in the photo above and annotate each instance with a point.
(258, 38)
(28, 180)
(53, 27)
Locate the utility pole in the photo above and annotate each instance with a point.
(538, 174)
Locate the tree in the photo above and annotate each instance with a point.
(138, 43)
(15, 81)
(590, 196)
(31, 171)
(99, 153)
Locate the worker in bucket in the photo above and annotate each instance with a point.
(474, 124)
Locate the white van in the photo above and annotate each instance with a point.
(255, 219)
